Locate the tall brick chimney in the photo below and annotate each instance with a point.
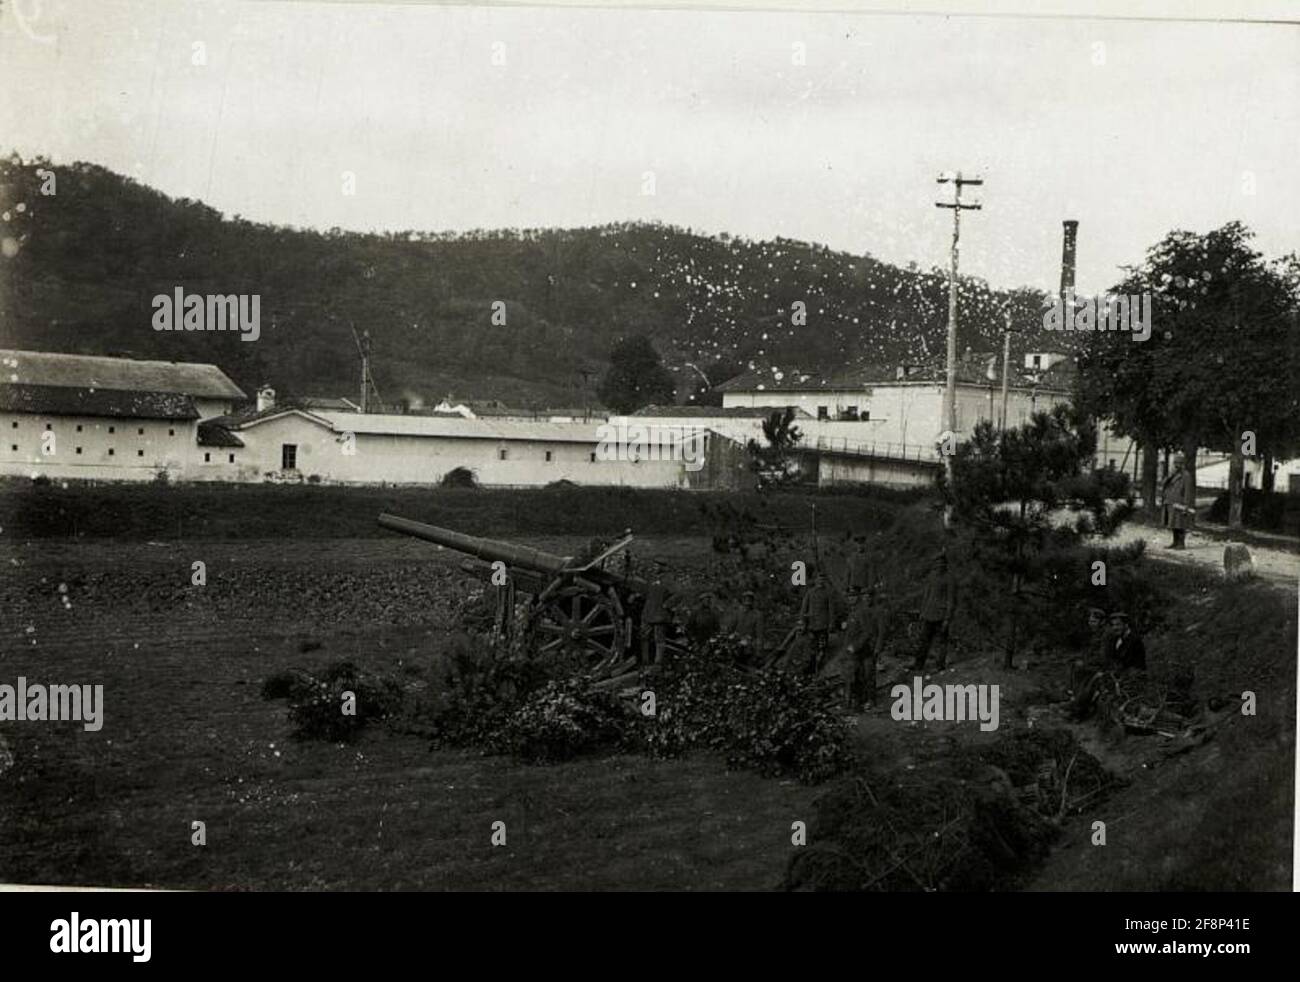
(1067, 254)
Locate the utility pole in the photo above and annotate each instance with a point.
(950, 385)
(365, 371)
(1006, 368)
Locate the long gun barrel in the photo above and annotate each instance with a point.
(524, 557)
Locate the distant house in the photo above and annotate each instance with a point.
(91, 417)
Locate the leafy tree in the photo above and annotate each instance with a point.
(775, 462)
(636, 377)
(1219, 368)
(1024, 497)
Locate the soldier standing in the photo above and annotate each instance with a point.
(862, 574)
(1179, 498)
(938, 603)
(747, 625)
(654, 618)
(817, 616)
(864, 636)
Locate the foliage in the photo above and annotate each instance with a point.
(980, 818)
(1265, 510)
(1024, 498)
(771, 722)
(636, 377)
(564, 719)
(776, 462)
(459, 477)
(316, 701)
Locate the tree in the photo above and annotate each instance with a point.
(1219, 367)
(636, 377)
(775, 462)
(1026, 496)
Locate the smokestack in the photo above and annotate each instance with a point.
(1067, 255)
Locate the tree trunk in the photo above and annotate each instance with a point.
(1266, 479)
(1189, 466)
(1150, 463)
(1236, 467)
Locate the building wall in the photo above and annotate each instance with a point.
(382, 458)
(833, 469)
(135, 456)
(902, 414)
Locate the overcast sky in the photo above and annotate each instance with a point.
(1133, 128)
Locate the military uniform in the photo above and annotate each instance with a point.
(938, 603)
(748, 626)
(864, 636)
(654, 623)
(1178, 513)
(862, 573)
(817, 616)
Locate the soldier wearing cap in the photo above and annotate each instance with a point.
(1179, 498)
(818, 615)
(938, 604)
(655, 617)
(864, 637)
(862, 573)
(747, 626)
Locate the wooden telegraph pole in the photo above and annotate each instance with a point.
(1006, 367)
(950, 385)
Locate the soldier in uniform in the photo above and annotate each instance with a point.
(862, 573)
(654, 618)
(938, 604)
(1179, 496)
(818, 616)
(864, 636)
(747, 625)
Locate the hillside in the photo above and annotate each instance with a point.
(90, 258)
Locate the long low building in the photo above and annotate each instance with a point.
(82, 417)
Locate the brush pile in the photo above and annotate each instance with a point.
(979, 819)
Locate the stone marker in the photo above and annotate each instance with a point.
(1237, 564)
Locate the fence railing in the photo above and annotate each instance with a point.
(888, 451)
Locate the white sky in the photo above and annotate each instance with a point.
(842, 150)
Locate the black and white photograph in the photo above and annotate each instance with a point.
(645, 448)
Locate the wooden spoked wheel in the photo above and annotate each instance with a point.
(582, 621)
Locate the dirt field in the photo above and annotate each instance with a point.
(187, 737)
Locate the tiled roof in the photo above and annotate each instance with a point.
(215, 435)
(47, 368)
(58, 400)
(455, 426)
(715, 412)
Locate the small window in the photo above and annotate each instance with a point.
(139, 453)
(112, 429)
(288, 456)
(110, 451)
(207, 458)
(140, 431)
(866, 414)
(48, 426)
(78, 427)
(823, 412)
(169, 432)
(548, 456)
(232, 458)
(14, 447)
(15, 424)
(78, 450)
(851, 412)
(593, 455)
(503, 454)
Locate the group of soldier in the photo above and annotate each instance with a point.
(837, 632)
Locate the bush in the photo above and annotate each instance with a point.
(459, 477)
(771, 722)
(565, 719)
(1268, 511)
(316, 702)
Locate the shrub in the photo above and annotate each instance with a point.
(563, 720)
(316, 701)
(459, 477)
(771, 722)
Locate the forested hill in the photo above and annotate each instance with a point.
(90, 258)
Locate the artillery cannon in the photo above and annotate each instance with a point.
(575, 604)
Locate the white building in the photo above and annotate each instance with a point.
(81, 416)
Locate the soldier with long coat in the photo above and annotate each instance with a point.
(864, 636)
(938, 604)
(1178, 497)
